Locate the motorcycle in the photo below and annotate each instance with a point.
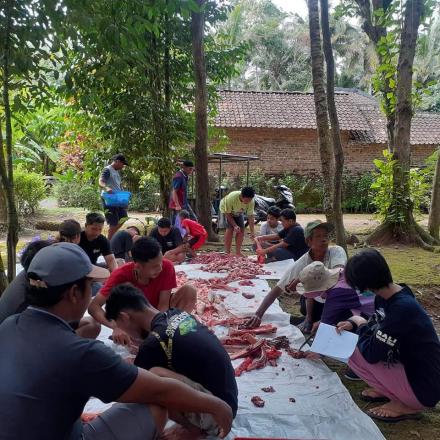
(262, 204)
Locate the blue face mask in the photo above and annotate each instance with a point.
(367, 293)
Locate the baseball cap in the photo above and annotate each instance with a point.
(63, 263)
(314, 224)
(120, 157)
(316, 278)
(188, 163)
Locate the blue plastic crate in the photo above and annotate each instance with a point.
(117, 199)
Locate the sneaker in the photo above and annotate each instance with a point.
(351, 375)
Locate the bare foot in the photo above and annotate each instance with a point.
(239, 254)
(391, 410)
(371, 392)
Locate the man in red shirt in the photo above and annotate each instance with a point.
(154, 276)
(179, 193)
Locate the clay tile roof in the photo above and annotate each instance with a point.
(358, 113)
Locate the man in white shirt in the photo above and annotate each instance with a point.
(316, 235)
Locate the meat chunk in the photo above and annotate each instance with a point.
(270, 389)
(257, 401)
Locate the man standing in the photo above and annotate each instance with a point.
(232, 210)
(110, 181)
(179, 193)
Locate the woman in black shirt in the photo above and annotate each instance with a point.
(398, 352)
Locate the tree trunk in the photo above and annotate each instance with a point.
(375, 32)
(434, 211)
(203, 203)
(335, 133)
(321, 109)
(6, 171)
(3, 225)
(401, 207)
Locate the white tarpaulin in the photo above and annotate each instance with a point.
(323, 408)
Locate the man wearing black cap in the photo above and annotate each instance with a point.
(110, 181)
(48, 373)
(179, 193)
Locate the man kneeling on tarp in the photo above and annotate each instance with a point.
(177, 346)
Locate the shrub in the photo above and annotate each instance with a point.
(77, 194)
(357, 195)
(383, 184)
(147, 196)
(29, 190)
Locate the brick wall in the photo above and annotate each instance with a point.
(296, 151)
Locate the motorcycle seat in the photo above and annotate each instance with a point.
(268, 200)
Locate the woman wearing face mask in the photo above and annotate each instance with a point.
(398, 352)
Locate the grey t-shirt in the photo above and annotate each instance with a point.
(112, 178)
(48, 373)
(266, 229)
(13, 299)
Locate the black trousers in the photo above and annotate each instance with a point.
(317, 309)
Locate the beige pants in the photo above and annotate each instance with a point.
(203, 421)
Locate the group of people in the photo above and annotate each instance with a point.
(398, 352)
(180, 369)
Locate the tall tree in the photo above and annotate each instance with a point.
(335, 132)
(434, 211)
(6, 170)
(393, 27)
(26, 39)
(201, 118)
(321, 108)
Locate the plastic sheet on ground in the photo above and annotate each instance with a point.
(323, 408)
(276, 269)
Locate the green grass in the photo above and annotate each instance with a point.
(410, 265)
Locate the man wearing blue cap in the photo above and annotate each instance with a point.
(49, 373)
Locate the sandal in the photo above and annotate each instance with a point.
(305, 327)
(415, 416)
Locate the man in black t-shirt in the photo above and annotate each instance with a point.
(292, 244)
(122, 242)
(48, 373)
(94, 243)
(177, 343)
(170, 239)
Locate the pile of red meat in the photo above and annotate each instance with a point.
(238, 268)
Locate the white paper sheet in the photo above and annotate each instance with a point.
(332, 344)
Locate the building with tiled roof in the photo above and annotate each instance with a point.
(280, 128)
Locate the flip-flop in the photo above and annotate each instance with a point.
(372, 399)
(415, 416)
